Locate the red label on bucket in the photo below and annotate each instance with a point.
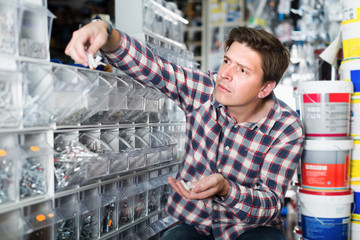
(339, 97)
(312, 98)
(325, 176)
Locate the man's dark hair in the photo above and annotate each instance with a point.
(274, 55)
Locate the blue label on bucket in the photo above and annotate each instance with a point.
(355, 206)
(324, 228)
(355, 79)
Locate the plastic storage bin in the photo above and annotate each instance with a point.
(137, 156)
(12, 225)
(38, 91)
(71, 159)
(108, 213)
(10, 99)
(35, 168)
(89, 218)
(98, 166)
(135, 108)
(34, 28)
(118, 102)
(10, 156)
(68, 210)
(121, 151)
(98, 98)
(8, 25)
(71, 94)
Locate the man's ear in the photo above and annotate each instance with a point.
(267, 88)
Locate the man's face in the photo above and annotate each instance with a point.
(238, 82)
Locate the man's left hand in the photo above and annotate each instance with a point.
(206, 187)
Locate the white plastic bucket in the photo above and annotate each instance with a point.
(325, 165)
(350, 11)
(355, 230)
(350, 71)
(355, 116)
(325, 215)
(326, 108)
(355, 162)
(350, 36)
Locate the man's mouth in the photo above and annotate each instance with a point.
(222, 87)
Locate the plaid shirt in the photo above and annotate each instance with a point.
(258, 159)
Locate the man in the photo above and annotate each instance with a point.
(243, 144)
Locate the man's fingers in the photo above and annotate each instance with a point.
(172, 182)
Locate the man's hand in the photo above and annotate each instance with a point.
(206, 187)
(89, 39)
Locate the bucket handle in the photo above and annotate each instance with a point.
(322, 223)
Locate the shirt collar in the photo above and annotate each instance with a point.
(265, 124)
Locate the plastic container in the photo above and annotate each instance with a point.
(141, 199)
(10, 156)
(350, 71)
(119, 162)
(35, 168)
(355, 116)
(355, 230)
(37, 90)
(10, 98)
(71, 161)
(355, 162)
(350, 40)
(12, 225)
(325, 215)
(89, 218)
(136, 105)
(108, 213)
(10, 16)
(34, 31)
(155, 225)
(325, 165)
(97, 167)
(68, 209)
(356, 204)
(350, 11)
(98, 97)
(326, 107)
(71, 90)
(118, 103)
(137, 156)
(40, 218)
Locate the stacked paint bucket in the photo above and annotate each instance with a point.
(350, 72)
(325, 196)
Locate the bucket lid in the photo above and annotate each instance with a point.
(326, 86)
(329, 145)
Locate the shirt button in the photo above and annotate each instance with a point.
(215, 207)
(227, 148)
(219, 170)
(236, 126)
(216, 220)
